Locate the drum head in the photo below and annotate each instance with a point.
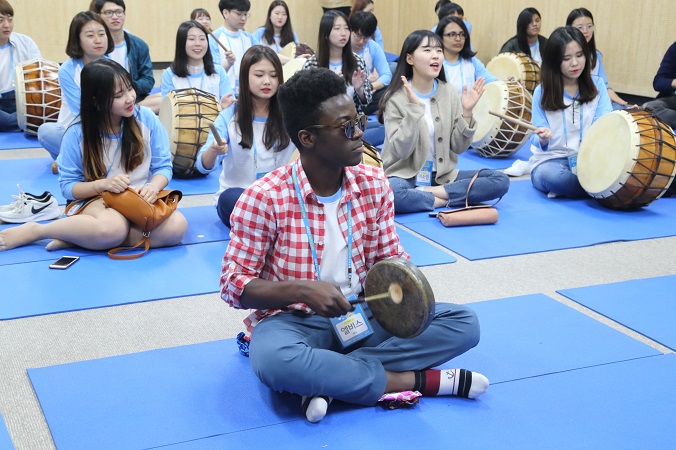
(416, 310)
(607, 153)
(494, 99)
(506, 65)
(289, 50)
(292, 67)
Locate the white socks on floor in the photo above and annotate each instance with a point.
(315, 407)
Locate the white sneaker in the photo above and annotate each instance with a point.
(32, 209)
(518, 168)
(22, 197)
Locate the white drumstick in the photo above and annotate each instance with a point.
(514, 121)
(394, 292)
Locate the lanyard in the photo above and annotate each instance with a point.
(308, 231)
(190, 78)
(565, 127)
(255, 153)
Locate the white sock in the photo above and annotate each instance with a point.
(315, 407)
(460, 382)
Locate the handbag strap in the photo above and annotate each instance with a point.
(145, 240)
(83, 204)
(469, 187)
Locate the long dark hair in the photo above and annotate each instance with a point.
(98, 82)
(286, 35)
(275, 133)
(572, 17)
(466, 51)
(180, 64)
(323, 52)
(551, 79)
(522, 24)
(412, 42)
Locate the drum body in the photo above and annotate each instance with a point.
(627, 159)
(495, 137)
(186, 115)
(517, 65)
(293, 66)
(38, 93)
(415, 312)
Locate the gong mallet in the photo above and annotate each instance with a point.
(217, 136)
(394, 293)
(514, 121)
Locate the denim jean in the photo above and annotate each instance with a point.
(50, 136)
(555, 176)
(226, 204)
(298, 353)
(8, 119)
(490, 185)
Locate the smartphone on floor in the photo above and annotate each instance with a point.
(64, 262)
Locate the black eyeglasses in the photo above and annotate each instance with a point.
(454, 35)
(348, 126)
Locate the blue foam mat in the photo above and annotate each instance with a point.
(530, 222)
(591, 408)
(646, 306)
(5, 441)
(203, 226)
(185, 393)
(472, 160)
(422, 253)
(196, 186)
(98, 281)
(18, 140)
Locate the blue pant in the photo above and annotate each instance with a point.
(298, 353)
(490, 185)
(226, 204)
(8, 120)
(555, 176)
(50, 136)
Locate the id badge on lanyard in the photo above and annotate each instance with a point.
(424, 177)
(572, 162)
(351, 327)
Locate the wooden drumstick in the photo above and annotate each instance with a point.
(394, 292)
(217, 136)
(514, 121)
(217, 41)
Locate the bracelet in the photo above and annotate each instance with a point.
(157, 191)
(96, 190)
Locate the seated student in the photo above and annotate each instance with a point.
(582, 19)
(452, 10)
(88, 40)
(334, 51)
(327, 197)
(565, 104)
(115, 144)
(665, 84)
(277, 31)
(14, 49)
(131, 52)
(338, 5)
(369, 7)
(202, 16)
(426, 126)
(193, 66)
(254, 139)
(461, 66)
(233, 37)
(528, 39)
(363, 25)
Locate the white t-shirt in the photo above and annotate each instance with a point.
(6, 69)
(337, 68)
(333, 267)
(535, 52)
(119, 55)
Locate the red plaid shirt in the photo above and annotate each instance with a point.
(268, 238)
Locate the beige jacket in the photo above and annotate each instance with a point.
(407, 141)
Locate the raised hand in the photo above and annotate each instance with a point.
(412, 98)
(227, 101)
(470, 96)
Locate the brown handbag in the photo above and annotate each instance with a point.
(469, 215)
(144, 215)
